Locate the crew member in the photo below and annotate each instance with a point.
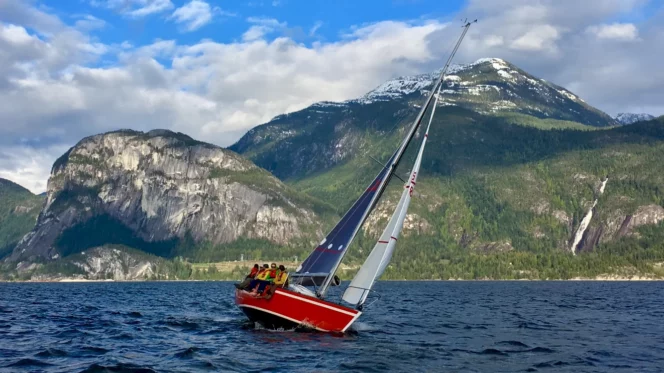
(247, 280)
(280, 281)
(254, 271)
(260, 277)
(267, 279)
(282, 277)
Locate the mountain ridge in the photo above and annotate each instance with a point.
(156, 190)
(630, 118)
(291, 145)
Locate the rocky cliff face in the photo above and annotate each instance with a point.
(156, 187)
(116, 264)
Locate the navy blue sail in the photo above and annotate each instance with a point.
(326, 256)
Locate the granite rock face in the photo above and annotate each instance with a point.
(163, 186)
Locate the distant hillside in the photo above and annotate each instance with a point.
(18, 212)
(630, 118)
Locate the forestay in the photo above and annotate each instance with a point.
(380, 256)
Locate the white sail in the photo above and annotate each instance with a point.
(380, 256)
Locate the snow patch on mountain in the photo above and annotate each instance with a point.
(568, 95)
(507, 75)
(629, 118)
(399, 87)
(486, 85)
(406, 85)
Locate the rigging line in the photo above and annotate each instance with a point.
(384, 165)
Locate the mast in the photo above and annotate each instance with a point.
(381, 254)
(326, 258)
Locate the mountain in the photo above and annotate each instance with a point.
(512, 166)
(327, 134)
(163, 193)
(515, 172)
(493, 85)
(629, 118)
(18, 212)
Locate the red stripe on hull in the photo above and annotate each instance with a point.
(301, 309)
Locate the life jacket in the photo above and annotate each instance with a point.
(262, 274)
(281, 278)
(272, 274)
(253, 273)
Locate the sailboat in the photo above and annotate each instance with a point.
(303, 303)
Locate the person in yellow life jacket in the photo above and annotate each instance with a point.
(264, 273)
(260, 277)
(266, 278)
(282, 277)
(280, 281)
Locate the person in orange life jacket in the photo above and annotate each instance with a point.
(247, 280)
(254, 271)
(267, 278)
(281, 280)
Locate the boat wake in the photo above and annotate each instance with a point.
(359, 326)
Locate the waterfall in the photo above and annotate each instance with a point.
(586, 220)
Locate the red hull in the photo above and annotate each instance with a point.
(289, 309)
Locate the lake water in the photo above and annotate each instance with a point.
(415, 326)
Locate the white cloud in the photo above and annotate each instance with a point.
(552, 39)
(89, 22)
(261, 26)
(135, 8)
(537, 39)
(16, 35)
(255, 32)
(615, 31)
(53, 94)
(193, 15)
(266, 21)
(212, 91)
(29, 166)
(315, 28)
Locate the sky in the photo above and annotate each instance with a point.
(214, 69)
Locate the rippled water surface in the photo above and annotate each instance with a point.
(415, 326)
